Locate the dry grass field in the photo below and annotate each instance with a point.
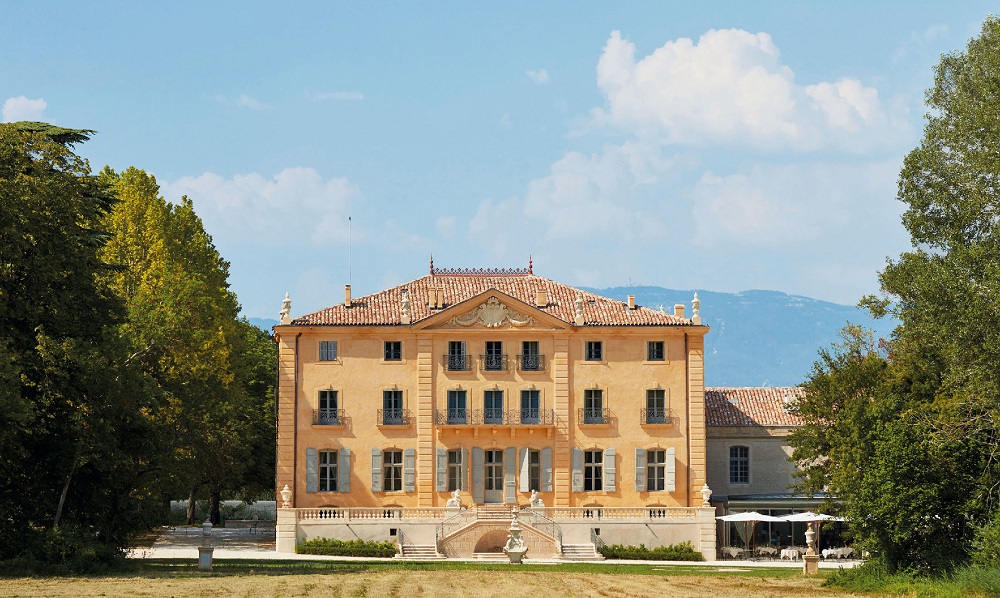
(411, 584)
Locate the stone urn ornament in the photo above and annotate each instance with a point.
(515, 547)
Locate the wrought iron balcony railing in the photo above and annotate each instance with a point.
(594, 416)
(493, 363)
(494, 417)
(457, 363)
(530, 362)
(458, 417)
(536, 417)
(655, 416)
(395, 417)
(329, 417)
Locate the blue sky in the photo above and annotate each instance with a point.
(720, 145)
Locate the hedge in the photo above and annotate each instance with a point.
(675, 552)
(358, 547)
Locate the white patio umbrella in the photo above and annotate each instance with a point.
(811, 518)
(749, 519)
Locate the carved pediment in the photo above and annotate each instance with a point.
(492, 314)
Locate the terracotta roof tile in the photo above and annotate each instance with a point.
(385, 307)
(730, 406)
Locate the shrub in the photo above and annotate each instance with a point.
(357, 547)
(675, 552)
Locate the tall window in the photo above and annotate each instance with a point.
(327, 412)
(456, 407)
(328, 350)
(594, 351)
(656, 406)
(392, 471)
(393, 350)
(593, 406)
(739, 465)
(392, 407)
(530, 413)
(328, 471)
(458, 361)
(593, 470)
(455, 469)
(655, 351)
(493, 407)
(493, 361)
(656, 469)
(494, 472)
(530, 358)
(534, 469)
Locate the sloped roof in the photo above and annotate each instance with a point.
(385, 307)
(732, 406)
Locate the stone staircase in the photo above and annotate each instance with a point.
(491, 512)
(423, 552)
(580, 552)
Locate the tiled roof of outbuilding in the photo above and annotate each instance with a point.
(385, 307)
(729, 406)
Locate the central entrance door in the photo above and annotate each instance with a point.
(494, 477)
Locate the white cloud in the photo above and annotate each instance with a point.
(337, 96)
(246, 101)
(539, 76)
(445, 226)
(731, 88)
(295, 205)
(22, 108)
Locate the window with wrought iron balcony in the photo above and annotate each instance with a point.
(494, 360)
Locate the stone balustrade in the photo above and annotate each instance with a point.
(370, 513)
(661, 514)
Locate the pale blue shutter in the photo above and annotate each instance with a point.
(577, 470)
(376, 470)
(478, 475)
(510, 475)
(546, 470)
(523, 487)
(441, 474)
(609, 469)
(409, 470)
(312, 482)
(640, 470)
(671, 471)
(344, 471)
(464, 481)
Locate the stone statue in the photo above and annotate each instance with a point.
(455, 500)
(535, 501)
(286, 310)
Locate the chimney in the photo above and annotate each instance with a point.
(631, 301)
(347, 295)
(440, 295)
(679, 310)
(432, 298)
(541, 298)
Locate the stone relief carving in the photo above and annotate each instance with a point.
(492, 314)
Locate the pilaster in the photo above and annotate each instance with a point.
(697, 460)
(425, 423)
(561, 452)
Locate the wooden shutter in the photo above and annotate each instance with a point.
(577, 470)
(409, 470)
(510, 475)
(478, 475)
(546, 470)
(312, 479)
(640, 470)
(609, 469)
(376, 470)
(441, 475)
(523, 477)
(464, 481)
(344, 471)
(671, 471)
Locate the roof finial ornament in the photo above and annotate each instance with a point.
(286, 310)
(696, 309)
(579, 310)
(405, 318)
(529, 265)
(432, 264)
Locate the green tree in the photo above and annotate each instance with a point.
(75, 441)
(907, 437)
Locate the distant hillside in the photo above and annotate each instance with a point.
(758, 338)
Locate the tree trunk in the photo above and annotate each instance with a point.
(65, 490)
(215, 515)
(191, 505)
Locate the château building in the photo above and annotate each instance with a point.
(425, 412)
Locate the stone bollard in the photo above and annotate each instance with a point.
(810, 560)
(206, 548)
